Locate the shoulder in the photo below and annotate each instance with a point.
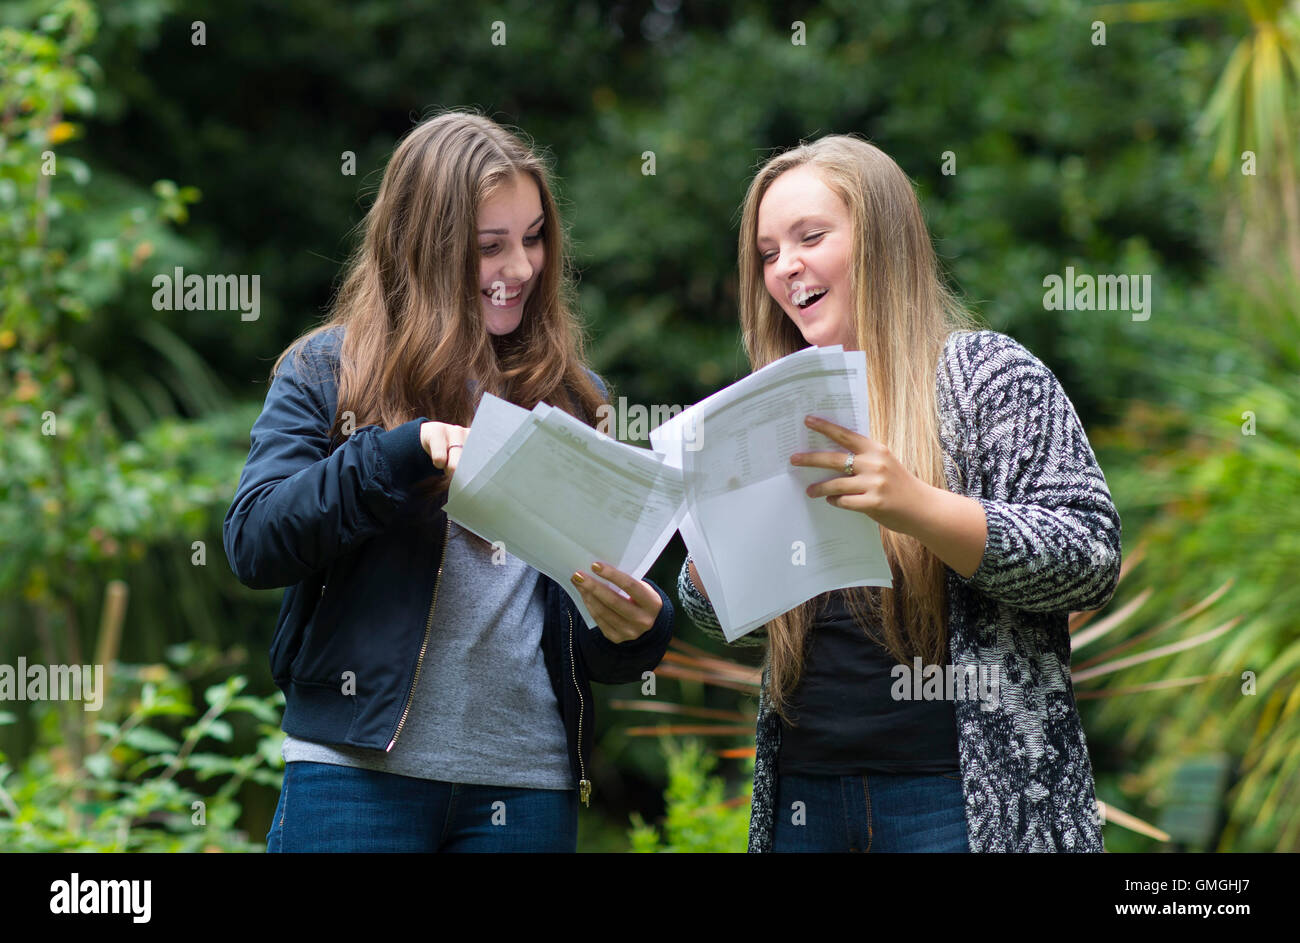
(322, 346)
(309, 367)
(983, 354)
(984, 367)
(600, 384)
(313, 358)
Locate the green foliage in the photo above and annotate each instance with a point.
(81, 500)
(1067, 153)
(1209, 478)
(71, 490)
(100, 476)
(698, 818)
(1044, 179)
(157, 781)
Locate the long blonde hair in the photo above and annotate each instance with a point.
(416, 342)
(902, 315)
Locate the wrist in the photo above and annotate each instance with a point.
(929, 508)
(953, 528)
(402, 448)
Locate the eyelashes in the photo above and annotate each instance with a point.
(810, 239)
(491, 248)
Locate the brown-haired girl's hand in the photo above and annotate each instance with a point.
(620, 618)
(444, 443)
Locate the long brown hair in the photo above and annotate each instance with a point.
(415, 341)
(902, 315)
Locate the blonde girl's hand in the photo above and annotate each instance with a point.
(620, 618)
(878, 484)
(444, 443)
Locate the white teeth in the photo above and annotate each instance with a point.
(500, 300)
(801, 296)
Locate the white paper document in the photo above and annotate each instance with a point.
(559, 495)
(760, 544)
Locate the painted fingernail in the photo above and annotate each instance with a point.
(596, 568)
(577, 578)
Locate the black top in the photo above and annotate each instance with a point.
(848, 722)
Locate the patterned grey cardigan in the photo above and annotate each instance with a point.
(1013, 442)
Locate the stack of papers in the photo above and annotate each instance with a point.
(559, 495)
(760, 544)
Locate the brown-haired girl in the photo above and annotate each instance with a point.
(437, 688)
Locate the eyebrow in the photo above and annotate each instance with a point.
(506, 232)
(793, 226)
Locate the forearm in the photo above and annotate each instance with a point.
(296, 507)
(695, 578)
(953, 528)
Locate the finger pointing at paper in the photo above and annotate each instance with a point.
(620, 616)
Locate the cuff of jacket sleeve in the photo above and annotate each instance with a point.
(698, 607)
(655, 636)
(408, 463)
(994, 526)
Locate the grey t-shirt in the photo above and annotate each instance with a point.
(484, 711)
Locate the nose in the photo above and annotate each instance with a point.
(516, 267)
(788, 265)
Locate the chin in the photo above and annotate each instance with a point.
(500, 323)
(822, 333)
(816, 335)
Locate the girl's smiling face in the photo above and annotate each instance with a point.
(804, 243)
(511, 252)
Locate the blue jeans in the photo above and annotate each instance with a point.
(325, 807)
(876, 812)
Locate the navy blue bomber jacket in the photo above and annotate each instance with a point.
(361, 560)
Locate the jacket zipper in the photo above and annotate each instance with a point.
(584, 784)
(424, 646)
